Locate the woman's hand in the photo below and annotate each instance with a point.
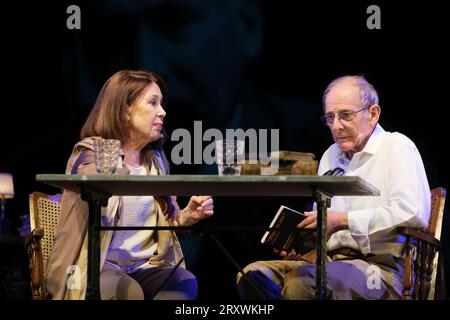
(198, 208)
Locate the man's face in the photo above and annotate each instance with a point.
(350, 135)
(196, 46)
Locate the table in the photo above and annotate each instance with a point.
(96, 190)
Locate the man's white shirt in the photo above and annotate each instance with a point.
(392, 163)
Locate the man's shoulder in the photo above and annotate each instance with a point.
(332, 151)
(329, 157)
(398, 139)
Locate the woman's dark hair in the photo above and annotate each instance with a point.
(107, 118)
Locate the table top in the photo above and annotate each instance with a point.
(186, 185)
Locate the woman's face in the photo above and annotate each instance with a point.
(146, 116)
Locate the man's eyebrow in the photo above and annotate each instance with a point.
(342, 110)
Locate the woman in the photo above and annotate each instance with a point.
(134, 264)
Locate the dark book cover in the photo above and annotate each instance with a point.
(288, 238)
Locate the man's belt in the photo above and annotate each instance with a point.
(349, 252)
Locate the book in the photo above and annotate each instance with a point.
(302, 240)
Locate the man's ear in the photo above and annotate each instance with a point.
(375, 112)
(251, 26)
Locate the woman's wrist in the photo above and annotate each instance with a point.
(186, 218)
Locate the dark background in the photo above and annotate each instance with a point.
(52, 76)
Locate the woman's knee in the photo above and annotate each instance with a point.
(117, 285)
(131, 291)
(184, 282)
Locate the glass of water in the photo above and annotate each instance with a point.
(229, 156)
(107, 152)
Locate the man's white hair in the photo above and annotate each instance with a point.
(369, 95)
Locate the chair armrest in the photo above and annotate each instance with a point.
(36, 234)
(33, 248)
(420, 235)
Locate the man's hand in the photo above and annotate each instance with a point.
(288, 256)
(335, 221)
(198, 208)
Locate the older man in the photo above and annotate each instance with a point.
(363, 247)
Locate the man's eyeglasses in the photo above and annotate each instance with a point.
(346, 115)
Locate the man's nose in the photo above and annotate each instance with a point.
(337, 123)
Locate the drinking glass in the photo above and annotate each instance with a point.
(230, 156)
(107, 152)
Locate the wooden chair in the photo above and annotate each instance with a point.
(44, 214)
(421, 254)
